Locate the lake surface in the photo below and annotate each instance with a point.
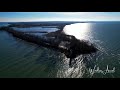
(26, 60)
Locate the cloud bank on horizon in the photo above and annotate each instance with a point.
(58, 16)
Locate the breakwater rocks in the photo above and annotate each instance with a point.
(58, 40)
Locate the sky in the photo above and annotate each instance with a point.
(58, 16)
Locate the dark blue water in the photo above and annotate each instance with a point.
(22, 59)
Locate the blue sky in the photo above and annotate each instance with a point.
(58, 16)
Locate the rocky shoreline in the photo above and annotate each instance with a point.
(57, 40)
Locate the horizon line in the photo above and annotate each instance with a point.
(64, 21)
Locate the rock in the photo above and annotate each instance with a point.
(73, 46)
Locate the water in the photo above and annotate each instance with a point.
(51, 29)
(37, 29)
(22, 59)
